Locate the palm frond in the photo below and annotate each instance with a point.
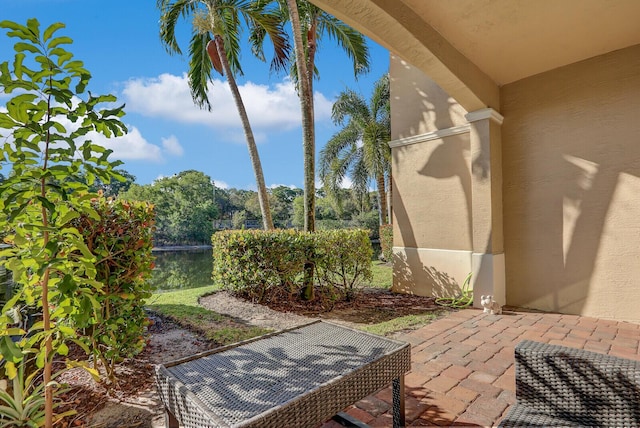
(350, 106)
(379, 103)
(270, 23)
(344, 140)
(360, 177)
(170, 12)
(199, 69)
(228, 28)
(351, 41)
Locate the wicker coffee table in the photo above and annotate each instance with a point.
(293, 378)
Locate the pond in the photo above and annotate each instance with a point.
(182, 269)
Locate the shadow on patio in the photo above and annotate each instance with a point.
(463, 371)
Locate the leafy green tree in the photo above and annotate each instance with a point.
(44, 129)
(239, 218)
(360, 149)
(184, 205)
(215, 43)
(282, 203)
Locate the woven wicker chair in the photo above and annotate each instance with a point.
(560, 386)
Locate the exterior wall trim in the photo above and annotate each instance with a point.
(485, 113)
(435, 135)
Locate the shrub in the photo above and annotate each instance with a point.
(386, 241)
(342, 260)
(254, 262)
(120, 240)
(264, 265)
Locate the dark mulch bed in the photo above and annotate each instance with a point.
(371, 305)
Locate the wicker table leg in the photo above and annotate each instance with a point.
(398, 402)
(170, 421)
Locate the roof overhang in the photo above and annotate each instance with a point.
(472, 47)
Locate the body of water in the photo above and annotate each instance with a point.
(181, 269)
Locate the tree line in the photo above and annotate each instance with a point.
(190, 208)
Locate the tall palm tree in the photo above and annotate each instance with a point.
(215, 43)
(360, 150)
(309, 25)
(305, 91)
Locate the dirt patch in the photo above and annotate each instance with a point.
(135, 402)
(252, 313)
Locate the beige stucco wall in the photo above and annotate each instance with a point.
(418, 105)
(571, 165)
(432, 215)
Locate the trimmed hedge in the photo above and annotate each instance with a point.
(386, 241)
(265, 265)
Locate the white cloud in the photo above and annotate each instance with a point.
(220, 184)
(290, 186)
(347, 183)
(131, 146)
(172, 146)
(270, 108)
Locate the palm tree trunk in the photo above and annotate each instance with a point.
(382, 199)
(263, 197)
(390, 197)
(306, 105)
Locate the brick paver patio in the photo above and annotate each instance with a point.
(463, 373)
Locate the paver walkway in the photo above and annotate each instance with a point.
(463, 373)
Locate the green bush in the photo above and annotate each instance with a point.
(255, 262)
(342, 260)
(265, 265)
(386, 241)
(120, 240)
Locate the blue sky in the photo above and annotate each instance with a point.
(119, 44)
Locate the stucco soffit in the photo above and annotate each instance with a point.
(398, 28)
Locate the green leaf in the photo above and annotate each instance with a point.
(10, 25)
(10, 350)
(17, 64)
(63, 349)
(6, 121)
(52, 29)
(40, 358)
(34, 26)
(59, 41)
(10, 367)
(67, 284)
(21, 47)
(19, 31)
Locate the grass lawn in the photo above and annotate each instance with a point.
(382, 275)
(182, 307)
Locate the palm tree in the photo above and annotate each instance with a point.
(305, 92)
(215, 43)
(312, 22)
(309, 24)
(360, 150)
